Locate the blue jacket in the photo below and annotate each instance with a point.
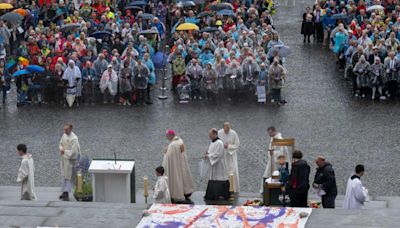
(327, 21)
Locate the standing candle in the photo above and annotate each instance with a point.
(231, 189)
(145, 186)
(79, 182)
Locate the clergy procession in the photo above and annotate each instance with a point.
(84, 52)
(175, 183)
(364, 36)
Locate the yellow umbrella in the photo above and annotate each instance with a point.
(6, 6)
(187, 26)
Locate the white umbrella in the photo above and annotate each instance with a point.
(375, 7)
(282, 50)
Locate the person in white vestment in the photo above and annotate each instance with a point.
(180, 181)
(70, 152)
(26, 174)
(161, 190)
(356, 193)
(218, 183)
(231, 145)
(273, 153)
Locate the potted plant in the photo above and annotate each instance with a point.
(83, 187)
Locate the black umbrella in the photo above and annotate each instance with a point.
(133, 8)
(57, 17)
(13, 18)
(148, 31)
(209, 29)
(146, 16)
(100, 34)
(204, 14)
(221, 6)
(69, 27)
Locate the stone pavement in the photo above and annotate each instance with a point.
(321, 115)
(47, 211)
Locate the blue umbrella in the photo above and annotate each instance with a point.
(226, 12)
(138, 3)
(339, 16)
(10, 64)
(159, 59)
(21, 72)
(148, 31)
(35, 68)
(186, 4)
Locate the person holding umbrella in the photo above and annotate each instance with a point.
(5, 80)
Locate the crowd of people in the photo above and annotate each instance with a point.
(175, 182)
(364, 36)
(71, 52)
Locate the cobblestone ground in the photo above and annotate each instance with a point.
(321, 114)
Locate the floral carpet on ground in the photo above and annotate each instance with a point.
(171, 216)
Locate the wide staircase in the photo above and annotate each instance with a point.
(48, 211)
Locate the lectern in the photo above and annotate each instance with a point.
(113, 181)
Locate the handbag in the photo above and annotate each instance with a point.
(217, 189)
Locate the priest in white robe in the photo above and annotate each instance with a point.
(161, 191)
(231, 145)
(26, 174)
(356, 193)
(218, 182)
(273, 153)
(177, 170)
(70, 152)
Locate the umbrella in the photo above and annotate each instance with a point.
(339, 16)
(69, 27)
(35, 68)
(375, 7)
(186, 4)
(204, 14)
(24, 61)
(6, 6)
(100, 34)
(282, 50)
(57, 17)
(10, 64)
(221, 6)
(21, 72)
(138, 3)
(148, 31)
(159, 59)
(187, 26)
(13, 18)
(146, 16)
(20, 11)
(226, 12)
(209, 29)
(133, 8)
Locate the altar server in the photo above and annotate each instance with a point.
(218, 183)
(26, 174)
(356, 193)
(161, 190)
(70, 152)
(231, 145)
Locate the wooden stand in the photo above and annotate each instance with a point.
(271, 194)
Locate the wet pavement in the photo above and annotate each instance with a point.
(321, 114)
